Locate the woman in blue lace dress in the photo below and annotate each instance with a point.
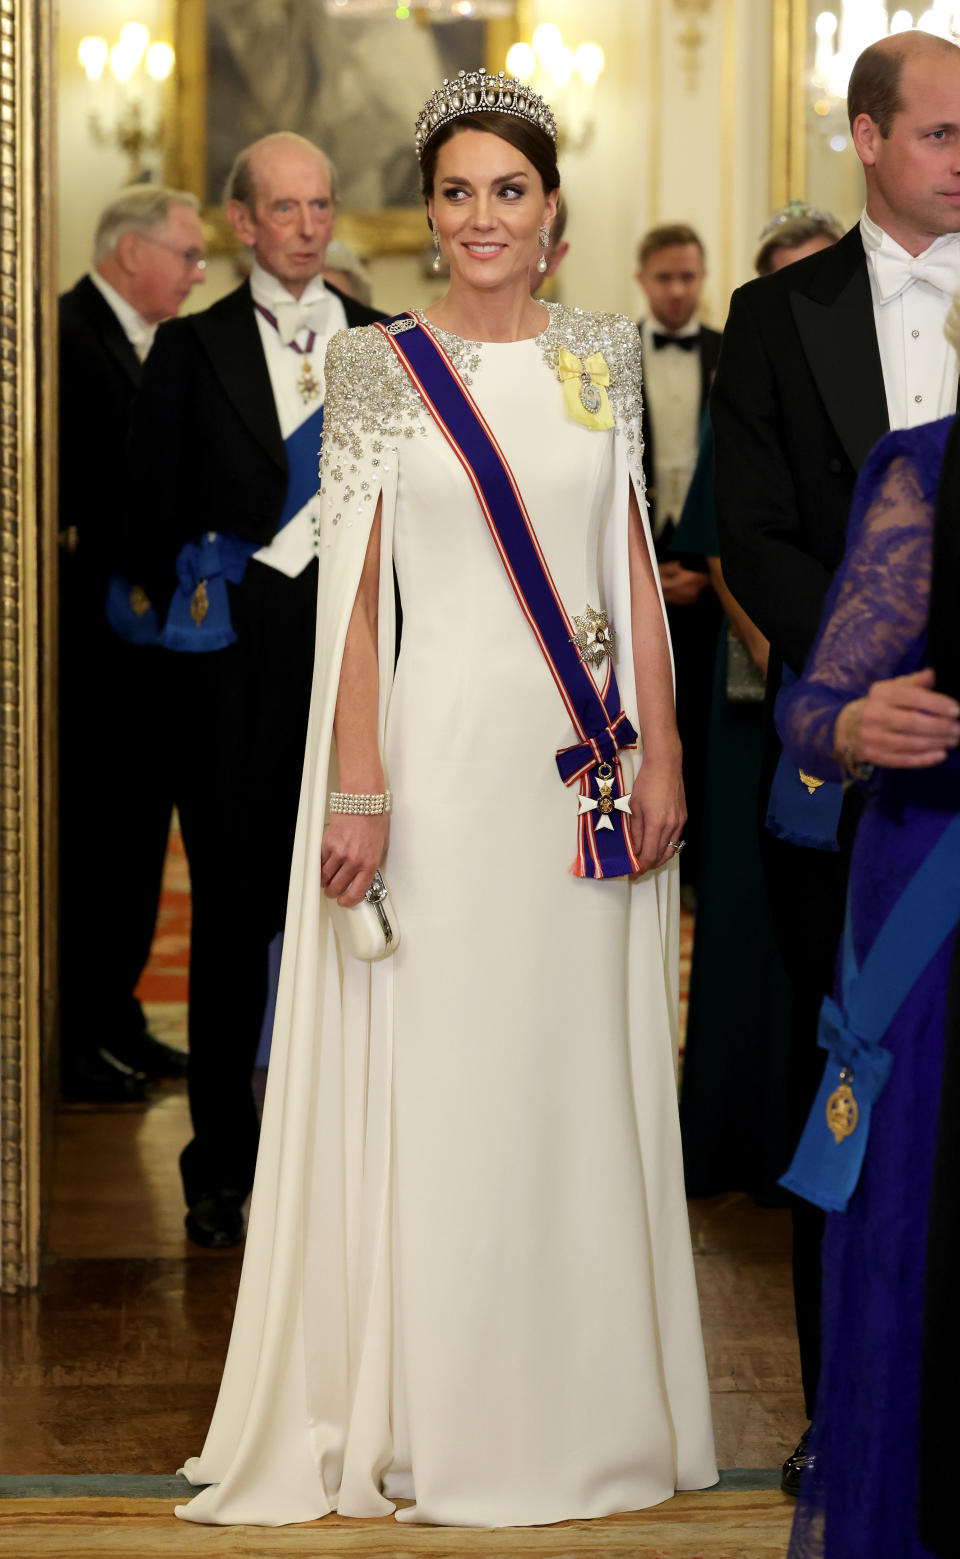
(867, 698)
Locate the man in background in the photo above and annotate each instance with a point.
(679, 357)
(228, 425)
(819, 360)
(115, 797)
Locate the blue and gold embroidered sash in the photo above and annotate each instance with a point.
(198, 618)
(828, 1161)
(592, 763)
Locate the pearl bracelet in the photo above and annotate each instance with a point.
(360, 805)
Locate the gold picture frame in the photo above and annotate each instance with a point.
(788, 163)
(391, 230)
(28, 646)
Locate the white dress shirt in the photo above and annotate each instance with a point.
(911, 298)
(671, 388)
(137, 330)
(318, 310)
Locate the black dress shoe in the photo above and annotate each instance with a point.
(215, 1220)
(99, 1078)
(795, 1466)
(150, 1055)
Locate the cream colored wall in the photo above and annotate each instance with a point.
(90, 175)
(662, 149)
(709, 138)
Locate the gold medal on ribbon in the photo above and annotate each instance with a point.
(308, 384)
(139, 601)
(843, 1111)
(200, 603)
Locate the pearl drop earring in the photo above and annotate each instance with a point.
(438, 257)
(544, 236)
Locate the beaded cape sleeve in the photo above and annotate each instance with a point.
(371, 407)
(874, 619)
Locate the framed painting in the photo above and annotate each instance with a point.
(353, 84)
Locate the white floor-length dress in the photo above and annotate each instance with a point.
(468, 1279)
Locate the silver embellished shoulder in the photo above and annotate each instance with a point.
(367, 393)
(583, 332)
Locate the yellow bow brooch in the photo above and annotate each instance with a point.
(584, 388)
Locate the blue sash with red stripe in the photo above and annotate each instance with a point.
(592, 763)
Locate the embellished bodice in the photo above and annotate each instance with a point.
(372, 408)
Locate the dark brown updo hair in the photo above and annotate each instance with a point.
(528, 138)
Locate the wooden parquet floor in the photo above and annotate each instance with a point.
(725, 1525)
(113, 1366)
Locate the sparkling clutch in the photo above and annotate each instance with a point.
(745, 680)
(368, 930)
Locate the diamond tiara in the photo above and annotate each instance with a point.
(480, 92)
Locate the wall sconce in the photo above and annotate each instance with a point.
(566, 77)
(691, 39)
(132, 90)
(843, 33)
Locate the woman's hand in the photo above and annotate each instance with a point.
(350, 854)
(658, 810)
(901, 724)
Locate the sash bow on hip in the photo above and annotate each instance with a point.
(826, 1166)
(604, 846)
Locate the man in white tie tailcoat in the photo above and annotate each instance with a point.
(226, 434)
(818, 361)
(148, 254)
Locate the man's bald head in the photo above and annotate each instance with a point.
(281, 203)
(877, 77)
(242, 179)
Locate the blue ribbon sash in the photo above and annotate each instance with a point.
(220, 557)
(801, 809)
(829, 1158)
(602, 727)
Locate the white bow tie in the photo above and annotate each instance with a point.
(895, 273)
(292, 316)
(142, 341)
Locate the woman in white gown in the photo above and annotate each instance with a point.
(468, 1280)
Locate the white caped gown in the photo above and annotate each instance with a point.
(468, 1279)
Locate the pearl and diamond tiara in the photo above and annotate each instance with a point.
(480, 92)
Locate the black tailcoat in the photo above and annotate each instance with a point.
(113, 781)
(206, 448)
(798, 403)
(207, 455)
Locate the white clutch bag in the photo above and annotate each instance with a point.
(368, 930)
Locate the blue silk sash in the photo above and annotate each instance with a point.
(801, 809)
(828, 1161)
(217, 558)
(598, 717)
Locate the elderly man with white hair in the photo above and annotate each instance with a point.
(225, 441)
(115, 798)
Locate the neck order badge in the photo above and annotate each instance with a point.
(308, 384)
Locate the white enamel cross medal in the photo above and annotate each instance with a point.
(308, 384)
(605, 804)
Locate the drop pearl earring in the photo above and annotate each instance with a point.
(544, 236)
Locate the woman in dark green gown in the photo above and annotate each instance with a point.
(733, 1106)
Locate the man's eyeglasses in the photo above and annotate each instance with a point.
(193, 259)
